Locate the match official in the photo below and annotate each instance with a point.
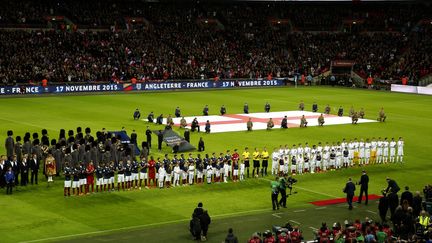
(364, 184)
(349, 190)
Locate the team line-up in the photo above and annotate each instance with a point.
(212, 168)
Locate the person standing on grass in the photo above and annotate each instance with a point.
(364, 184)
(206, 110)
(67, 182)
(274, 193)
(246, 160)
(231, 238)
(10, 180)
(205, 221)
(383, 207)
(349, 191)
(256, 156)
(249, 124)
(160, 140)
(9, 144)
(282, 190)
(267, 107)
(246, 108)
(222, 110)
(264, 163)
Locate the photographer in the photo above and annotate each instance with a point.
(282, 189)
(291, 181)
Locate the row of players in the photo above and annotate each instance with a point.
(379, 151)
(132, 174)
(226, 167)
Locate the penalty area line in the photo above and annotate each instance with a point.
(138, 226)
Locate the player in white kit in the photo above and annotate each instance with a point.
(379, 152)
(392, 146)
(361, 149)
(400, 151)
(275, 162)
(385, 146)
(351, 153)
(367, 151)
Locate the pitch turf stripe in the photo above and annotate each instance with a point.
(139, 226)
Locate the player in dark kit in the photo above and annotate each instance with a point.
(99, 177)
(67, 174)
(282, 190)
(75, 183)
(120, 176)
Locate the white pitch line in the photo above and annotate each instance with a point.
(276, 215)
(370, 211)
(25, 123)
(320, 208)
(295, 222)
(137, 226)
(313, 228)
(298, 211)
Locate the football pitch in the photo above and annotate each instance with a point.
(41, 213)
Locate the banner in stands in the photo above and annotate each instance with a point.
(148, 86)
(172, 139)
(411, 89)
(206, 84)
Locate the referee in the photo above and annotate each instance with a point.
(256, 164)
(264, 164)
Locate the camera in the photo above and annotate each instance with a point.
(291, 180)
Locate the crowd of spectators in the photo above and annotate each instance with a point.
(409, 222)
(240, 42)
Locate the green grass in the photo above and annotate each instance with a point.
(37, 212)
